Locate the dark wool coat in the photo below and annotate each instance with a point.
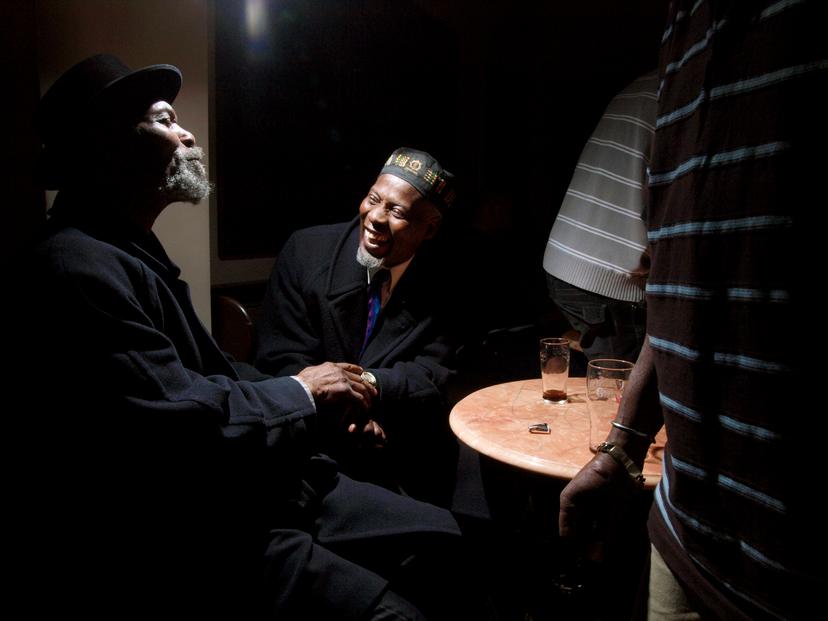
(161, 481)
(316, 311)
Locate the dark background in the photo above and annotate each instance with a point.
(310, 103)
(503, 94)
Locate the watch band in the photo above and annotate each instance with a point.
(621, 457)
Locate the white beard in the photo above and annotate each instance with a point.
(187, 179)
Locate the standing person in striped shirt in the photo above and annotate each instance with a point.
(734, 178)
(596, 259)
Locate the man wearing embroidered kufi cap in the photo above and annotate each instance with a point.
(368, 292)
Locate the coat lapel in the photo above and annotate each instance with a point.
(208, 355)
(395, 323)
(400, 316)
(347, 293)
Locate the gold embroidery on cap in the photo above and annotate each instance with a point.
(437, 183)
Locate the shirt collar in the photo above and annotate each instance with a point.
(396, 273)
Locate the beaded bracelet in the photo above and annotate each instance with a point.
(635, 432)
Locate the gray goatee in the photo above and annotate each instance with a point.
(368, 260)
(187, 179)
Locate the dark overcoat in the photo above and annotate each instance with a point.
(316, 310)
(159, 482)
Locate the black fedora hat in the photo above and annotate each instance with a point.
(105, 86)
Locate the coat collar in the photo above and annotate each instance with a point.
(346, 291)
(344, 273)
(145, 247)
(96, 219)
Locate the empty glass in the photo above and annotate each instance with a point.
(606, 381)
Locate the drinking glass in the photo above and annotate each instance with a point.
(606, 381)
(554, 363)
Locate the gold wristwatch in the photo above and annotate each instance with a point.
(620, 456)
(369, 378)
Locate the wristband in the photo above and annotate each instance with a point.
(621, 457)
(635, 432)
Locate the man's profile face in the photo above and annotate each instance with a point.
(394, 220)
(171, 154)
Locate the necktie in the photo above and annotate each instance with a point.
(375, 290)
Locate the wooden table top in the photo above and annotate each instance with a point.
(495, 421)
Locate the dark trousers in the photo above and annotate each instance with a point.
(609, 328)
(353, 550)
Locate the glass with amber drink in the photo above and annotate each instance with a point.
(554, 363)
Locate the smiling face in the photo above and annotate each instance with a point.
(394, 220)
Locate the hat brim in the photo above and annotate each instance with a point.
(141, 88)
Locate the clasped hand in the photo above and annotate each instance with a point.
(340, 394)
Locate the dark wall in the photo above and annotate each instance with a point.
(504, 94)
(23, 207)
(310, 104)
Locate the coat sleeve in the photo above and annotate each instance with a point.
(417, 383)
(288, 341)
(130, 336)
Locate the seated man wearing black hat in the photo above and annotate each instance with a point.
(160, 483)
(356, 293)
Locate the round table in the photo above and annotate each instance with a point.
(495, 421)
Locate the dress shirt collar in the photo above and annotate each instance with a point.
(396, 273)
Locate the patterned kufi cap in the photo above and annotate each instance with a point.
(423, 172)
